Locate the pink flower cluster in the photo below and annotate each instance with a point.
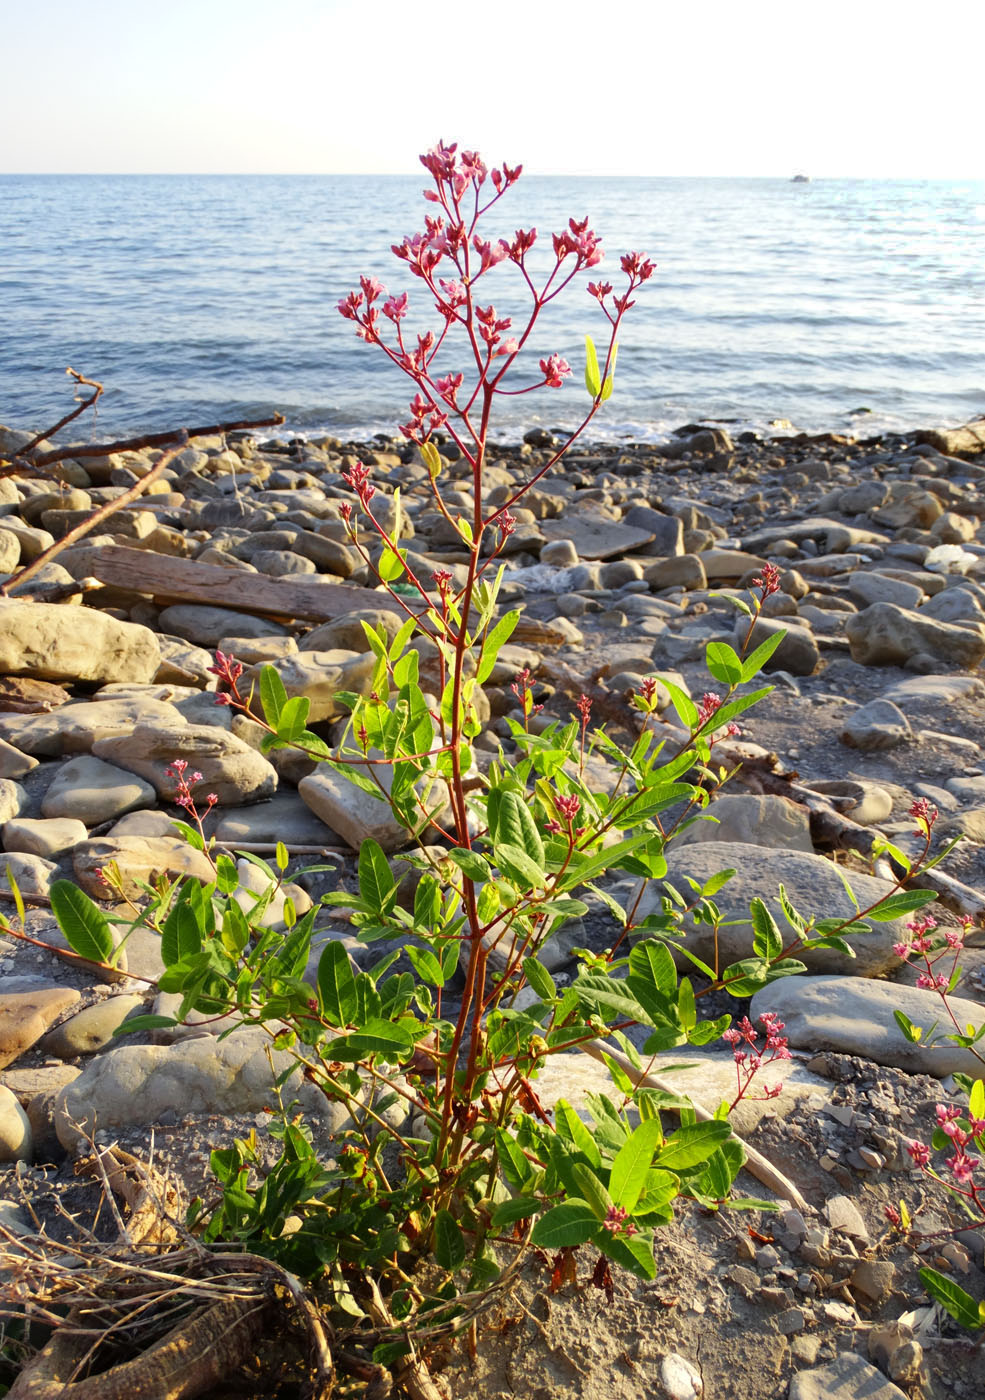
(749, 1058)
(925, 813)
(922, 943)
(617, 1222)
(178, 770)
(450, 236)
(768, 581)
(229, 670)
(962, 1165)
(710, 704)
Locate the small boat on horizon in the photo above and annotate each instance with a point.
(801, 180)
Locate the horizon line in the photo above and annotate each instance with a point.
(404, 174)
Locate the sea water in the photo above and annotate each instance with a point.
(848, 305)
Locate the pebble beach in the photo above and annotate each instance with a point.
(623, 561)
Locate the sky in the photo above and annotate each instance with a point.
(623, 87)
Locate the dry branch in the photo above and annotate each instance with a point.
(134, 444)
(96, 518)
(76, 412)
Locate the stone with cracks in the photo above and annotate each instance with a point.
(232, 770)
(55, 643)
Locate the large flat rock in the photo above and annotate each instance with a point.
(56, 643)
(813, 886)
(854, 1016)
(596, 537)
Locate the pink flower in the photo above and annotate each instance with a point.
(349, 307)
(962, 1167)
(554, 370)
(920, 1153)
(768, 581)
(617, 1222)
(569, 807)
(925, 813)
(637, 267)
(358, 478)
(448, 386)
(371, 288)
(396, 306)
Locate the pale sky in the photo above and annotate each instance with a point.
(625, 87)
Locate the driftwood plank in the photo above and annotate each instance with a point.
(169, 579)
(173, 580)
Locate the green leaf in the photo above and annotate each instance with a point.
(633, 1252)
(744, 978)
(539, 978)
(569, 1126)
(511, 823)
(516, 1169)
(593, 379)
(632, 1164)
(471, 863)
(84, 925)
(976, 1100)
(426, 965)
(493, 644)
(896, 905)
(723, 663)
(961, 1305)
(519, 867)
(757, 659)
(689, 1146)
(687, 711)
(18, 897)
(519, 1208)
(796, 920)
(766, 942)
(376, 882)
(565, 1226)
(610, 377)
(143, 1023)
(449, 1242)
(390, 567)
(273, 696)
(711, 887)
(651, 962)
(913, 1033)
(376, 1037)
(686, 1012)
(181, 934)
(293, 718)
(336, 985)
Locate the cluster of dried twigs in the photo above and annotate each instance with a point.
(176, 1319)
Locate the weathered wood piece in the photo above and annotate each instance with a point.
(169, 579)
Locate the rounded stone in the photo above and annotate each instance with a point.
(91, 1029)
(93, 791)
(16, 1138)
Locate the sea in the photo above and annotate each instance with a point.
(854, 306)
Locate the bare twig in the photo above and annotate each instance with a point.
(96, 518)
(76, 412)
(136, 444)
